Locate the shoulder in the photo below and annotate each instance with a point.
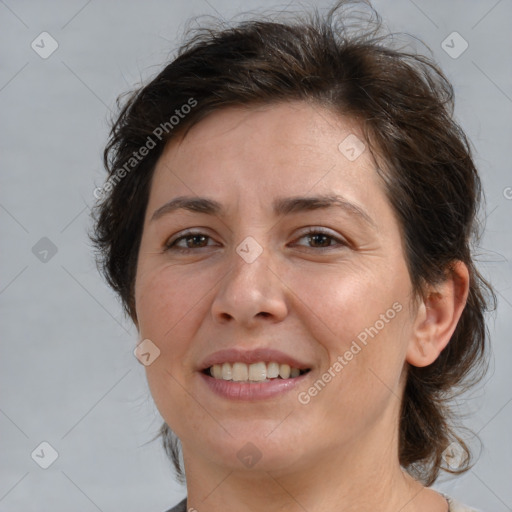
(180, 507)
(457, 506)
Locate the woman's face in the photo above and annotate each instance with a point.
(246, 276)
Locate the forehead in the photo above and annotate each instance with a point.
(259, 153)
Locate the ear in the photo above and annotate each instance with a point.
(437, 317)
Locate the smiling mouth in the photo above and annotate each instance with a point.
(255, 372)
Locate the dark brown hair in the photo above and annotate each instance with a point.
(343, 62)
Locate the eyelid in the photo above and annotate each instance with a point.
(171, 241)
(309, 230)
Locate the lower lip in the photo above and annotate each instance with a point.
(251, 390)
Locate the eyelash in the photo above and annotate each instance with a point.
(171, 245)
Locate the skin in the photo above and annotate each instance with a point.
(339, 451)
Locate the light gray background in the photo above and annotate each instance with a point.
(68, 375)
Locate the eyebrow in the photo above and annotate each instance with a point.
(281, 206)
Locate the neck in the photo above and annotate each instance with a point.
(365, 476)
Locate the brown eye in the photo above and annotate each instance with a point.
(319, 239)
(189, 241)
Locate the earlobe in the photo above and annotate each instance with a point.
(437, 317)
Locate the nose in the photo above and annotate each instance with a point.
(250, 293)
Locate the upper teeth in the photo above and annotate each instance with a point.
(253, 372)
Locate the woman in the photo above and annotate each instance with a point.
(288, 220)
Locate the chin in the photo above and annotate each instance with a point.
(254, 449)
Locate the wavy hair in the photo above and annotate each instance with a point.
(342, 61)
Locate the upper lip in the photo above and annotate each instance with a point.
(234, 355)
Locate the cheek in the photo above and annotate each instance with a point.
(170, 307)
(338, 303)
(358, 317)
(372, 361)
(167, 301)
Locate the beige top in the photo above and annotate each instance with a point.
(457, 506)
